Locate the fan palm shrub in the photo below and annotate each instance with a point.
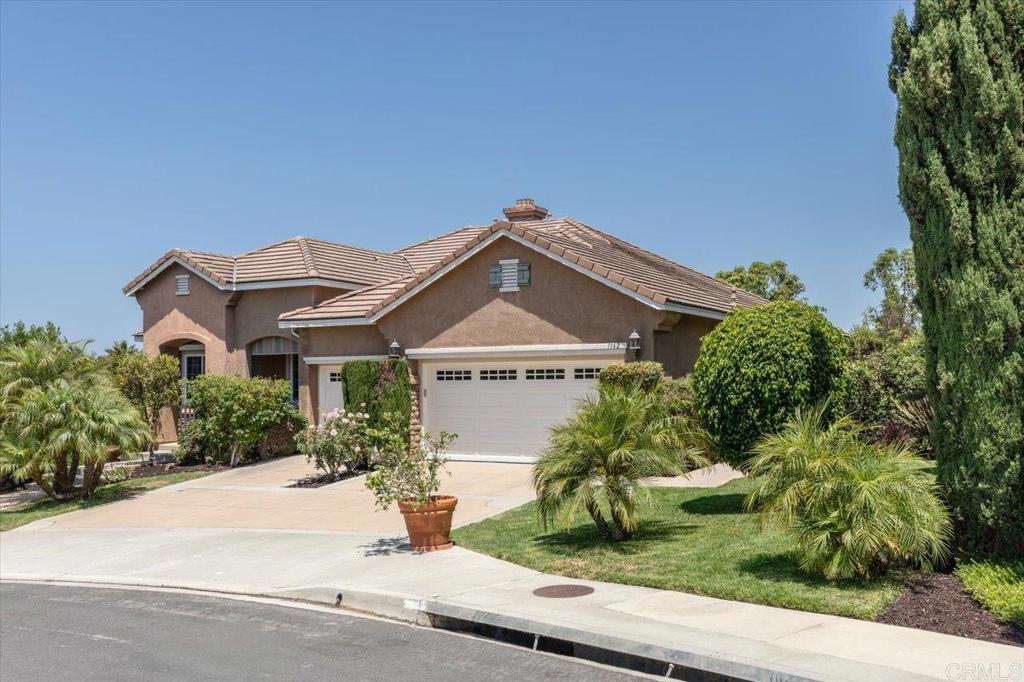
(597, 459)
(855, 509)
(60, 411)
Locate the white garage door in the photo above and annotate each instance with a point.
(503, 408)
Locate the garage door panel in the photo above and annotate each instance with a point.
(503, 417)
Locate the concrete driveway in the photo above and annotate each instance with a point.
(258, 497)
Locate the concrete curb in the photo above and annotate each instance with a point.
(759, 662)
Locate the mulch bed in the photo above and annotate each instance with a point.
(147, 470)
(320, 480)
(937, 602)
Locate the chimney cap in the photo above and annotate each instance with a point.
(524, 210)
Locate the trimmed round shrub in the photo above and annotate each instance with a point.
(758, 366)
(632, 375)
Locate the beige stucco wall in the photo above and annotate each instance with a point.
(677, 349)
(331, 341)
(559, 306)
(224, 322)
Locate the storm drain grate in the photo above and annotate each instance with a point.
(563, 591)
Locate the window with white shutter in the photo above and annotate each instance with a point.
(509, 274)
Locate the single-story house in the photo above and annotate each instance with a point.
(504, 325)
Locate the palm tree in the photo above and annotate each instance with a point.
(597, 460)
(58, 411)
(854, 508)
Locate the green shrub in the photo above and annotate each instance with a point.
(234, 413)
(149, 383)
(996, 585)
(599, 457)
(377, 387)
(761, 364)
(280, 440)
(643, 375)
(855, 509)
(192, 444)
(677, 396)
(882, 377)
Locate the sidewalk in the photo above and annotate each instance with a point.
(377, 574)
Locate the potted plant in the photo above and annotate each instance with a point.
(410, 476)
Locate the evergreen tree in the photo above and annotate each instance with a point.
(958, 74)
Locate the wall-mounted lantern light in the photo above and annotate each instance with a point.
(394, 350)
(633, 343)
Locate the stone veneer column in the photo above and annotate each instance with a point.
(415, 428)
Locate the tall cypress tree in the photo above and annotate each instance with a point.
(958, 74)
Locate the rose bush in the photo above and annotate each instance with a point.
(342, 439)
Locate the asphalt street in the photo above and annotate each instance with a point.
(53, 632)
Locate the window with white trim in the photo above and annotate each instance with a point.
(454, 375)
(498, 375)
(181, 285)
(509, 274)
(545, 374)
(586, 372)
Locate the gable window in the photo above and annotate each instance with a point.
(545, 374)
(509, 274)
(181, 285)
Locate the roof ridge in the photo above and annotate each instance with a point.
(201, 253)
(307, 257)
(346, 246)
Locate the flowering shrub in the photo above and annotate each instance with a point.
(342, 439)
(401, 473)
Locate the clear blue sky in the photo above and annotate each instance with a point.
(715, 134)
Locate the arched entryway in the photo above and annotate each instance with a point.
(191, 355)
(276, 357)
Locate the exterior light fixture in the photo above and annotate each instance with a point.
(633, 343)
(394, 350)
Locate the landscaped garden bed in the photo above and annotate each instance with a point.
(938, 602)
(320, 480)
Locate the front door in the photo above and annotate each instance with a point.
(332, 394)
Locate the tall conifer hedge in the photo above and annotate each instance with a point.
(957, 74)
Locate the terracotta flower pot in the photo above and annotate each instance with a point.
(429, 524)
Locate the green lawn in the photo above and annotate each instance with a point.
(693, 540)
(41, 509)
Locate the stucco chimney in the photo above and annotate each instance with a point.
(524, 210)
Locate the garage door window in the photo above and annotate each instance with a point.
(498, 375)
(454, 375)
(545, 374)
(586, 372)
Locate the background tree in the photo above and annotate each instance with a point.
(150, 384)
(772, 281)
(958, 75)
(893, 274)
(119, 350)
(18, 334)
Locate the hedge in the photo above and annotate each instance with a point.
(643, 375)
(383, 385)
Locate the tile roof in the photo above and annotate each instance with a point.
(648, 275)
(297, 258)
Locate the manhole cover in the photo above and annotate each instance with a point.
(563, 591)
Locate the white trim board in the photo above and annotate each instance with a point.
(339, 359)
(554, 349)
(338, 322)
